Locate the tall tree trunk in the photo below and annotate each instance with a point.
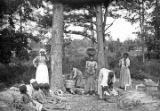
(141, 12)
(99, 28)
(143, 37)
(92, 33)
(104, 38)
(157, 25)
(56, 47)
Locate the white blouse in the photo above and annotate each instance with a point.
(122, 62)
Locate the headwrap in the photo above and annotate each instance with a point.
(32, 81)
(42, 50)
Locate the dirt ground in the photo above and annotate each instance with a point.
(90, 103)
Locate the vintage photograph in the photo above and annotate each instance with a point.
(79, 55)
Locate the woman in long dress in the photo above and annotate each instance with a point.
(42, 75)
(125, 77)
(91, 70)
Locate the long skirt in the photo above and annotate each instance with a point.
(42, 74)
(90, 84)
(80, 82)
(125, 77)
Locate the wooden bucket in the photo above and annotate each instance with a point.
(70, 83)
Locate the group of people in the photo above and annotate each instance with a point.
(93, 81)
(37, 94)
(102, 82)
(39, 97)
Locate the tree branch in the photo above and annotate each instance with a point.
(110, 25)
(84, 34)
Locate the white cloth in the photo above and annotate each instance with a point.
(32, 81)
(103, 80)
(122, 62)
(103, 77)
(114, 92)
(29, 90)
(42, 74)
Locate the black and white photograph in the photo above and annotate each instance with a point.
(79, 55)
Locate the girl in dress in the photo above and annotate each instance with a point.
(42, 75)
(125, 77)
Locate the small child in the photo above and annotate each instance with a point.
(46, 90)
(37, 95)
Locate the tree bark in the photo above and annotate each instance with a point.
(99, 28)
(56, 47)
(104, 38)
(142, 28)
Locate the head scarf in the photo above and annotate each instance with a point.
(32, 81)
(42, 50)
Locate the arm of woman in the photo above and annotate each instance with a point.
(74, 73)
(127, 62)
(120, 62)
(96, 70)
(47, 58)
(35, 60)
(100, 76)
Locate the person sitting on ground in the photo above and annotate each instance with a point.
(48, 104)
(37, 95)
(27, 101)
(105, 82)
(30, 87)
(44, 91)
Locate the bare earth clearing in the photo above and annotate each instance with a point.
(92, 103)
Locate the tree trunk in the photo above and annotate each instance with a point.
(56, 47)
(104, 38)
(142, 29)
(99, 28)
(156, 16)
(92, 33)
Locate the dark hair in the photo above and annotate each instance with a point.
(41, 86)
(23, 89)
(35, 86)
(46, 86)
(126, 54)
(111, 75)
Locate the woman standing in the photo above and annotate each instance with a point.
(42, 69)
(125, 77)
(91, 70)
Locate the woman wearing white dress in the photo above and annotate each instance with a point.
(42, 75)
(125, 77)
